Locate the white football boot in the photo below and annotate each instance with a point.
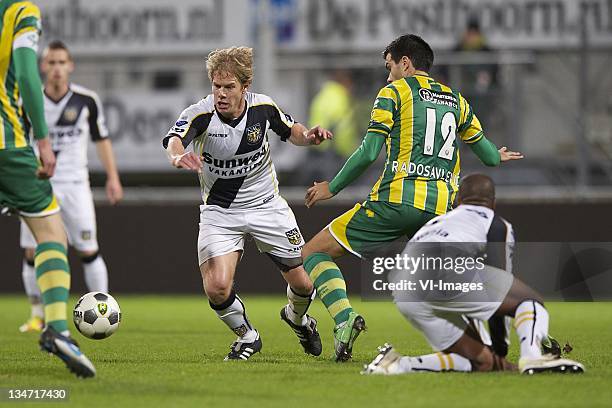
(385, 363)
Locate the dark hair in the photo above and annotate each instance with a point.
(58, 45)
(413, 47)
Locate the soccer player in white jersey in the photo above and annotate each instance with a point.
(229, 134)
(75, 116)
(444, 323)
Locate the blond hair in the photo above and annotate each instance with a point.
(234, 60)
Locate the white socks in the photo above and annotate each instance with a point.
(96, 274)
(298, 306)
(434, 363)
(531, 324)
(233, 314)
(28, 274)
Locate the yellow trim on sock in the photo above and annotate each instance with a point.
(55, 311)
(53, 279)
(333, 284)
(518, 316)
(49, 254)
(338, 306)
(517, 324)
(451, 363)
(320, 268)
(442, 362)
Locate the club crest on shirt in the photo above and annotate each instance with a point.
(70, 114)
(294, 236)
(254, 133)
(86, 235)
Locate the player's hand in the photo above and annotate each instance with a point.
(507, 155)
(189, 161)
(316, 135)
(318, 192)
(114, 190)
(47, 159)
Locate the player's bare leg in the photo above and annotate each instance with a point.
(319, 254)
(531, 324)
(95, 271)
(481, 357)
(323, 242)
(218, 278)
(300, 293)
(53, 277)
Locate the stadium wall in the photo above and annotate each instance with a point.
(152, 248)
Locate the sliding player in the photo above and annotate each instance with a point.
(442, 320)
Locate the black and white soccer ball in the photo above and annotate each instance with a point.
(97, 315)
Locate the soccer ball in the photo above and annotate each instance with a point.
(97, 315)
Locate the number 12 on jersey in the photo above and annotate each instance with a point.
(448, 128)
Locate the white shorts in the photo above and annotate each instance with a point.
(78, 214)
(273, 226)
(443, 322)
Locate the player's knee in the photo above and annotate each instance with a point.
(304, 287)
(53, 230)
(300, 281)
(218, 291)
(218, 296)
(88, 256)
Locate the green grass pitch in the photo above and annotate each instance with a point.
(169, 351)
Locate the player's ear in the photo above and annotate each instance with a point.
(407, 65)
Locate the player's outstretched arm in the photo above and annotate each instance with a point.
(359, 161)
(489, 155)
(114, 189)
(181, 159)
(302, 136)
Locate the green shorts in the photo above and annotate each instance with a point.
(20, 189)
(366, 226)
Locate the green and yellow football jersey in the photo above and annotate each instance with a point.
(421, 120)
(17, 18)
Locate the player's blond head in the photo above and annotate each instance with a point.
(234, 60)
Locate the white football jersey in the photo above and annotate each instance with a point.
(472, 224)
(73, 121)
(238, 171)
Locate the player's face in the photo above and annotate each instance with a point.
(229, 94)
(57, 66)
(397, 70)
